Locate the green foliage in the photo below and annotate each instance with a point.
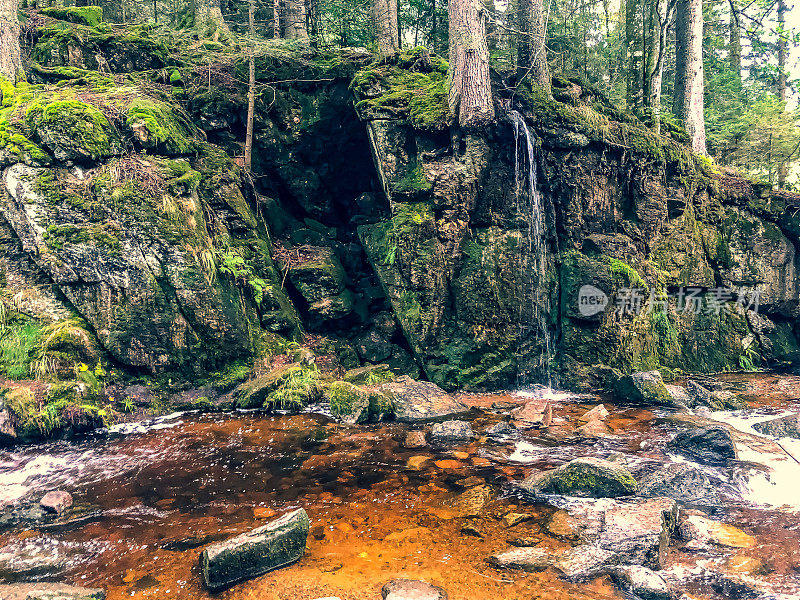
(18, 346)
(232, 264)
(298, 387)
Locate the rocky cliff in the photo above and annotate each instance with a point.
(367, 229)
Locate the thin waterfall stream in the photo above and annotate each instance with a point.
(535, 302)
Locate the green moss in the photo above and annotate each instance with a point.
(82, 15)
(103, 235)
(296, 388)
(165, 127)
(627, 272)
(73, 129)
(19, 340)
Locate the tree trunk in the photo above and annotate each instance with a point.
(782, 49)
(384, 15)
(735, 44)
(10, 55)
(251, 88)
(689, 85)
(208, 16)
(276, 19)
(532, 53)
(295, 20)
(664, 11)
(470, 88)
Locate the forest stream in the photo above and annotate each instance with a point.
(150, 496)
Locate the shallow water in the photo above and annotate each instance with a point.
(168, 489)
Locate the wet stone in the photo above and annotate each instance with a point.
(642, 583)
(414, 401)
(679, 481)
(583, 477)
(709, 445)
(49, 591)
(256, 552)
(412, 589)
(534, 414)
(640, 533)
(522, 558)
(451, 431)
(56, 502)
(584, 562)
(415, 439)
(702, 533)
(788, 426)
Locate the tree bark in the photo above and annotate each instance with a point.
(208, 15)
(251, 88)
(384, 16)
(664, 12)
(689, 85)
(276, 19)
(295, 20)
(470, 96)
(532, 54)
(783, 170)
(735, 44)
(10, 55)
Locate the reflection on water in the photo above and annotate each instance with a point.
(378, 510)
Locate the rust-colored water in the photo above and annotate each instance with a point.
(166, 493)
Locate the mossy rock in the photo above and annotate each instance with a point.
(369, 375)
(157, 125)
(583, 477)
(349, 403)
(644, 388)
(73, 130)
(82, 15)
(318, 278)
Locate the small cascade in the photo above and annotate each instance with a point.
(535, 351)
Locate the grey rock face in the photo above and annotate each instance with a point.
(679, 481)
(640, 533)
(583, 477)
(256, 552)
(788, 426)
(642, 582)
(710, 445)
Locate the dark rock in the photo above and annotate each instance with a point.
(402, 363)
(56, 501)
(713, 399)
(412, 589)
(373, 346)
(319, 277)
(256, 552)
(420, 400)
(501, 430)
(584, 562)
(49, 591)
(642, 582)
(680, 481)
(788, 426)
(349, 403)
(8, 434)
(28, 561)
(585, 477)
(711, 445)
(451, 431)
(644, 388)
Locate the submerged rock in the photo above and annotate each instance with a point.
(715, 400)
(645, 388)
(584, 477)
(415, 439)
(420, 400)
(711, 445)
(49, 591)
(256, 552)
(680, 481)
(501, 430)
(584, 562)
(788, 426)
(536, 413)
(642, 583)
(452, 431)
(470, 503)
(702, 533)
(524, 559)
(412, 589)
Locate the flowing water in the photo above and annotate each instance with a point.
(535, 302)
(378, 510)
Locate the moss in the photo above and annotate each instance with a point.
(103, 235)
(82, 15)
(416, 88)
(157, 125)
(627, 272)
(73, 129)
(19, 341)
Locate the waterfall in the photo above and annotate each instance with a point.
(535, 301)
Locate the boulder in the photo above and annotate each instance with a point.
(583, 562)
(8, 433)
(680, 481)
(679, 395)
(256, 552)
(412, 589)
(645, 388)
(373, 346)
(349, 403)
(595, 429)
(598, 413)
(709, 445)
(642, 582)
(502, 430)
(414, 401)
(451, 431)
(321, 276)
(584, 477)
(536, 413)
(368, 375)
(580, 522)
(49, 591)
(713, 399)
(702, 533)
(56, 501)
(639, 533)
(788, 426)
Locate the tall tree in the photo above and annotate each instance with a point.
(10, 56)
(295, 20)
(783, 169)
(689, 85)
(470, 96)
(276, 19)
(208, 16)
(735, 43)
(532, 54)
(384, 15)
(660, 14)
(251, 88)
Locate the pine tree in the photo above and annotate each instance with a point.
(384, 15)
(532, 56)
(689, 85)
(10, 55)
